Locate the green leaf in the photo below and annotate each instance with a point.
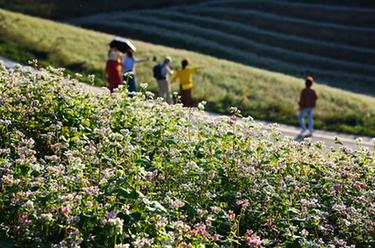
(127, 193)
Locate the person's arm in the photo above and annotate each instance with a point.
(175, 77)
(169, 70)
(106, 70)
(141, 60)
(301, 99)
(196, 68)
(316, 96)
(120, 69)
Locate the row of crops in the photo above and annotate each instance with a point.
(269, 35)
(342, 14)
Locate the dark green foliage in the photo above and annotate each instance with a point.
(61, 9)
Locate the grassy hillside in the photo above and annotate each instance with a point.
(98, 170)
(262, 94)
(333, 41)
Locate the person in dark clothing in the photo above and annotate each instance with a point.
(307, 103)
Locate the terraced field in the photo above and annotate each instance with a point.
(335, 42)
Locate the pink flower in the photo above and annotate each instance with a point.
(360, 185)
(217, 237)
(151, 175)
(5, 170)
(230, 215)
(328, 227)
(361, 200)
(74, 220)
(111, 215)
(56, 146)
(200, 229)
(202, 213)
(93, 190)
(184, 245)
(244, 203)
(177, 204)
(337, 186)
(270, 224)
(24, 220)
(304, 233)
(252, 239)
(89, 204)
(75, 234)
(66, 210)
(143, 242)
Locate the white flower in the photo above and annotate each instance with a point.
(48, 216)
(304, 233)
(122, 246)
(117, 223)
(143, 242)
(201, 105)
(162, 222)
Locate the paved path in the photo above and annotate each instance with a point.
(327, 137)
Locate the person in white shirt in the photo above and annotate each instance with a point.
(164, 86)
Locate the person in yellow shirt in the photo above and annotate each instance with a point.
(185, 77)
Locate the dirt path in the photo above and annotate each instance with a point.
(327, 137)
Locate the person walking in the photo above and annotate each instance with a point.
(163, 72)
(185, 77)
(307, 103)
(114, 68)
(129, 65)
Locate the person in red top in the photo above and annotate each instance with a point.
(307, 103)
(114, 68)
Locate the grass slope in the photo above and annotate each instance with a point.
(262, 94)
(329, 41)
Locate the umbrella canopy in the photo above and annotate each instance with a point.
(123, 45)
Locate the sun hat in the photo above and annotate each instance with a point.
(310, 78)
(167, 58)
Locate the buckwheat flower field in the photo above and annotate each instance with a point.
(85, 170)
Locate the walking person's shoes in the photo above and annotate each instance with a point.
(300, 136)
(309, 134)
(302, 133)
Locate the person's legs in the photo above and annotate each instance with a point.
(113, 85)
(168, 94)
(301, 118)
(184, 99)
(188, 99)
(110, 87)
(160, 84)
(164, 91)
(132, 84)
(311, 121)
